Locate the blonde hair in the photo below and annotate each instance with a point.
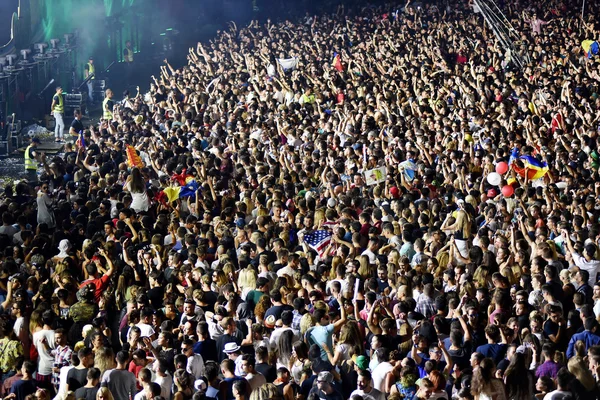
(319, 216)
(35, 321)
(307, 321)
(365, 270)
(335, 261)
(578, 368)
(321, 305)
(265, 392)
(443, 259)
(247, 279)
(481, 276)
(106, 394)
(463, 223)
(507, 272)
(104, 360)
(394, 256)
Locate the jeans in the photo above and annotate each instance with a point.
(90, 85)
(59, 127)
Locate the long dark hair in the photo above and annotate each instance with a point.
(482, 376)
(137, 184)
(517, 378)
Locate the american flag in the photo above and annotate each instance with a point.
(318, 240)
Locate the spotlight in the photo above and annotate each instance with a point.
(25, 53)
(11, 59)
(40, 47)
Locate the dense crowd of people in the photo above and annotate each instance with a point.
(306, 210)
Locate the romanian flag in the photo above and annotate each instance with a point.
(179, 192)
(337, 62)
(183, 178)
(535, 169)
(133, 159)
(590, 48)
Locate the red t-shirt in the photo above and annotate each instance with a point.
(101, 285)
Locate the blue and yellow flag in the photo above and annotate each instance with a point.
(590, 48)
(535, 168)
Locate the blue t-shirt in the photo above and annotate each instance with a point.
(495, 351)
(23, 388)
(323, 334)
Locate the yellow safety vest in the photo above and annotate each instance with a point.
(59, 108)
(128, 55)
(91, 69)
(30, 164)
(106, 113)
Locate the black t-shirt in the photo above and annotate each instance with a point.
(77, 125)
(324, 396)
(86, 393)
(269, 371)
(156, 296)
(210, 298)
(77, 378)
(276, 311)
(227, 338)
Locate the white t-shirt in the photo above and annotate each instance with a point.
(374, 394)
(165, 382)
(145, 330)
(557, 395)
(62, 378)
(139, 200)
(46, 359)
(379, 374)
(195, 366)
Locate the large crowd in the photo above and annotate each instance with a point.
(373, 203)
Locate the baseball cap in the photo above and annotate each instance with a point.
(492, 193)
(362, 362)
(325, 376)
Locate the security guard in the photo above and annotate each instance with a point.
(58, 109)
(90, 69)
(31, 160)
(107, 106)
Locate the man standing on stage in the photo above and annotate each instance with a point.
(58, 109)
(128, 58)
(90, 69)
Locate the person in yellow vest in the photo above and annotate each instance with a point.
(107, 106)
(128, 58)
(32, 157)
(90, 69)
(57, 110)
